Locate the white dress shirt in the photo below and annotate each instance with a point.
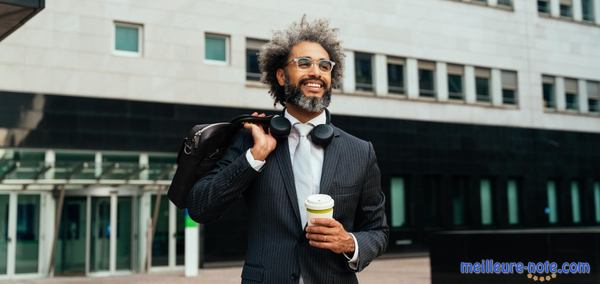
(317, 154)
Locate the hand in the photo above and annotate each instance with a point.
(329, 234)
(264, 143)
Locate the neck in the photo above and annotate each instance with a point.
(301, 114)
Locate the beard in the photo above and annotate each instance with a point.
(295, 96)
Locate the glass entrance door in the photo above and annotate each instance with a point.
(125, 221)
(100, 235)
(3, 233)
(28, 233)
(70, 246)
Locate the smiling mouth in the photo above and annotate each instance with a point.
(313, 85)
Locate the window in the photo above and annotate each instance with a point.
(507, 3)
(398, 200)
(395, 75)
(482, 85)
(364, 71)
(575, 203)
(566, 8)
(587, 9)
(597, 200)
(215, 48)
(485, 195)
(460, 190)
(549, 92)
(513, 202)
(552, 208)
(426, 79)
(455, 82)
(509, 88)
(571, 94)
(543, 6)
(128, 39)
(593, 89)
(252, 49)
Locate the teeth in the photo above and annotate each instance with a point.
(313, 85)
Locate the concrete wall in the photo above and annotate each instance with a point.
(67, 49)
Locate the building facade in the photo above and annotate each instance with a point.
(483, 114)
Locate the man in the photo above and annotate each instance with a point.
(301, 65)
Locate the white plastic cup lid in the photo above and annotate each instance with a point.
(319, 202)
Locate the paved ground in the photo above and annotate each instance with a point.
(384, 271)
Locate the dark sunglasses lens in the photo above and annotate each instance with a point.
(325, 65)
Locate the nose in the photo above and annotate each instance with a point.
(314, 70)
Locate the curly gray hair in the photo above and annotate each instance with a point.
(275, 54)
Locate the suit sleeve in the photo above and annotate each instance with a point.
(214, 193)
(371, 228)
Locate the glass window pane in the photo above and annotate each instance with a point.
(3, 232)
(124, 232)
(126, 38)
(513, 202)
(252, 69)
(215, 48)
(426, 79)
(552, 209)
(455, 87)
(459, 193)
(485, 192)
(566, 8)
(363, 71)
(505, 3)
(548, 92)
(395, 73)
(100, 234)
(587, 7)
(28, 234)
(482, 86)
(543, 6)
(398, 202)
(70, 246)
(597, 200)
(575, 202)
(160, 243)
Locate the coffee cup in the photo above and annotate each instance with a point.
(318, 206)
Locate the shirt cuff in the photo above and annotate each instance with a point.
(256, 164)
(353, 262)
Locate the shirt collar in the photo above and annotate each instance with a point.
(318, 120)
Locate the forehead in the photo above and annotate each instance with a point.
(309, 49)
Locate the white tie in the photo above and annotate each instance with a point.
(303, 177)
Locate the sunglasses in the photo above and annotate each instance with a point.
(304, 63)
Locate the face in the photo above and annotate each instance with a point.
(310, 88)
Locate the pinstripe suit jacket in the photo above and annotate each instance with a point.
(278, 251)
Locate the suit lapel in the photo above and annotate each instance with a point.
(330, 162)
(287, 174)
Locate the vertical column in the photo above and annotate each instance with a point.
(349, 84)
(597, 11)
(88, 231)
(192, 234)
(49, 161)
(496, 84)
(172, 231)
(113, 232)
(47, 216)
(577, 10)
(492, 2)
(441, 80)
(470, 96)
(98, 164)
(412, 78)
(380, 74)
(12, 233)
(144, 220)
(144, 163)
(582, 96)
(560, 94)
(555, 8)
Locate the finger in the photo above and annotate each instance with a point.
(262, 115)
(322, 245)
(328, 222)
(321, 237)
(321, 230)
(255, 114)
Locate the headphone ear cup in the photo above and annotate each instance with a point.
(322, 135)
(280, 127)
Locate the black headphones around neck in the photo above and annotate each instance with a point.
(320, 135)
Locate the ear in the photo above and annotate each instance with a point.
(280, 76)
